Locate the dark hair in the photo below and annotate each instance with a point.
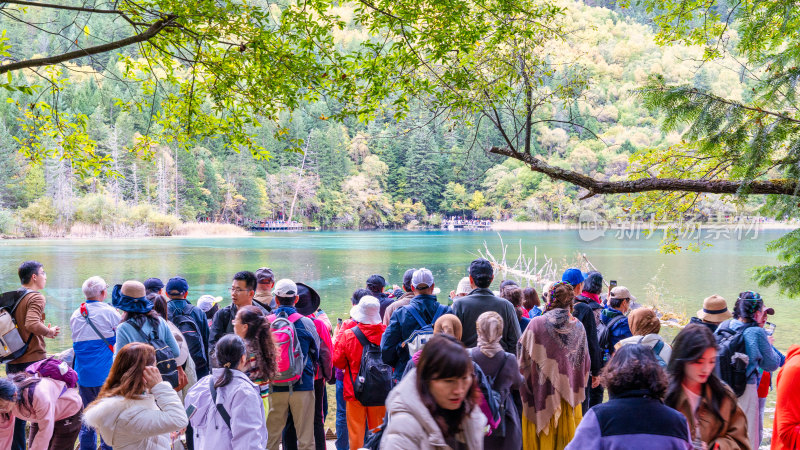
(513, 294)
(27, 270)
(634, 367)
(593, 283)
(229, 351)
(159, 304)
(561, 296)
(259, 336)
(507, 283)
(8, 391)
(26, 387)
(615, 302)
(360, 292)
(687, 347)
(735, 311)
(445, 357)
(748, 304)
(481, 272)
(151, 316)
(210, 313)
(284, 301)
(530, 298)
(248, 277)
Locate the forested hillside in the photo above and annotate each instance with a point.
(353, 174)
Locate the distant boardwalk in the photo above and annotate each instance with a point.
(274, 225)
(464, 224)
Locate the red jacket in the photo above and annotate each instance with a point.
(347, 353)
(786, 426)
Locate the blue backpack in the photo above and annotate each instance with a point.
(424, 333)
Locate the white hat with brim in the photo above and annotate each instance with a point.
(368, 311)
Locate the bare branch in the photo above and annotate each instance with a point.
(780, 187)
(151, 32)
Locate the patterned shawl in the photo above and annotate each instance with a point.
(554, 359)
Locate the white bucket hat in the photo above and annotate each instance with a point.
(368, 311)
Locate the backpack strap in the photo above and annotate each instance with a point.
(22, 293)
(362, 338)
(85, 313)
(221, 409)
(139, 329)
(658, 347)
(415, 314)
(439, 312)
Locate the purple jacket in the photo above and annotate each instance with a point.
(242, 399)
(632, 421)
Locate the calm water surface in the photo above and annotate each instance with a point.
(336, 263)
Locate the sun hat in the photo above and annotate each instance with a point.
(463, 286)
(206, 302)
(309, 300)
(714, 310)
(130, 296)
(368, 311)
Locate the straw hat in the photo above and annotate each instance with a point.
(715, 310)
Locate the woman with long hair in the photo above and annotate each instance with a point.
(136, 409)
(553, 357)
(229, 413)
(750, 315)
(634, 416)
(53, 410)
(253, 327)
(715, 419)
(436, 405)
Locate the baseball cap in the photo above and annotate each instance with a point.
(153, 284)
(285, 288)
(622, 292)
(177, 285)
(206, 302)
(422, 279)
(265, 275)
(376, 280)
(573, 276)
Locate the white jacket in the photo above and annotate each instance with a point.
(411, 425)
(140, 424)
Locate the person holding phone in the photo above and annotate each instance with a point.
(136, 408)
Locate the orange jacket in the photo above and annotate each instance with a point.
(786, 427)
(347, 353)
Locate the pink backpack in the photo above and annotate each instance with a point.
(55, 369)
(291, 361)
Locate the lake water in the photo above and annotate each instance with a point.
(336, 263)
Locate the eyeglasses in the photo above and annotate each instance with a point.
(237, 290)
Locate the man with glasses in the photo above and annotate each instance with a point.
(94, 330)
(243, 289)
(29, 317)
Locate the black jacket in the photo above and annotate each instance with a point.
(583, 310)
(480, 300)
(711, 326)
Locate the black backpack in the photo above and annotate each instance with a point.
(165, 359)
(732, 356)
(191, 333)
(604, 333)
(374, 379)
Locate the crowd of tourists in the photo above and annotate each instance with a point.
(581, 366)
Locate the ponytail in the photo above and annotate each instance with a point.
(259, 340)
(229, 351)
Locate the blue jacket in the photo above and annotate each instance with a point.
(93, 358)
(309, 344)
(629, 420)
(400, 328)
(620, 330)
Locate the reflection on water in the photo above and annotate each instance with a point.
(336, 263)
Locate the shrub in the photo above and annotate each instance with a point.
(7, 222)
(40, 211)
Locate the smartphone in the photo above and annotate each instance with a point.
(612, 283)
(190, 410)
(339, 321)
(769, 327)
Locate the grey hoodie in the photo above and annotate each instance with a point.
(411, 425)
